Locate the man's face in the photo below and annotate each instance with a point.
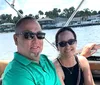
(30, 48)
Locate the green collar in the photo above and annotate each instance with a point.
(22, 59)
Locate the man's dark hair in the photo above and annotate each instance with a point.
(21, 21)
(62, 30)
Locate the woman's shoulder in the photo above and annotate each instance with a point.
(82, 58)
(58, 69)
(56, 63)
(83, 62)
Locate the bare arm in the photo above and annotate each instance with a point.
(89, 49)
(88, 79)
(61, 78)
(59, 72)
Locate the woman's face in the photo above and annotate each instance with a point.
(67, 44)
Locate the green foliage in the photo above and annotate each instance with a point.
(66, 13)
(37, 16)
(40, 12)
(20, 11)
(54, 13)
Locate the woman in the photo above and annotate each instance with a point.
(72, 70)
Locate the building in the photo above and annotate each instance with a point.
(7, 27)
(47, 23)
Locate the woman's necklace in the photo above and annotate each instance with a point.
(70, 70)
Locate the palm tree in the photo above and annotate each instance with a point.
(65, 12)
(40, 13)
(94, 12)
(37, 16)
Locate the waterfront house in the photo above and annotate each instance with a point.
(47, 23)
(7, 27)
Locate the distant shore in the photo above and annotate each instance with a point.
(56, 27)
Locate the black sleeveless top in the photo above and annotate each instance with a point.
(71, 74)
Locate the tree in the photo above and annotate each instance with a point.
(40, 12)
(15, 19)
(62, 15)
(56, 12)
(87, 12)
(65, 12)
(80, 14)
(9, 18)
(70, 11)
(3, 18)
(37, 16)
(20, 11)
(30, 15)
(94, 12)
(98, 12)
(49, 14)
(52, 14)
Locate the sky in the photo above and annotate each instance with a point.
(33, 6)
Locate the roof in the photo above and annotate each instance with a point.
(7, 24)
(45, 19)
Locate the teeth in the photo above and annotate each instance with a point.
(34, 47)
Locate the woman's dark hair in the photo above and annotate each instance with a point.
(62, 30)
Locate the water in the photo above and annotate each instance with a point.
(85, 35)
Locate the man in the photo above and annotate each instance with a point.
(29, 67)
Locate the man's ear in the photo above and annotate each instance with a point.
(15, 39)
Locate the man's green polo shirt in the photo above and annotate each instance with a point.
(22, 71)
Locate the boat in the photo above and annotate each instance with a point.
(3, 64)
(94, 62)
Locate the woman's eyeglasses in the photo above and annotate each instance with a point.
(64, 43)
(30, 35)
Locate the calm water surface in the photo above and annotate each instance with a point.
(85, 35)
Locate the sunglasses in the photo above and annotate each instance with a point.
(64, 43)
(30, 35)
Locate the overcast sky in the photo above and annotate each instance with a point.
(33, 6)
